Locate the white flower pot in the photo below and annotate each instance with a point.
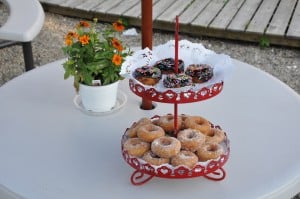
(99, 98)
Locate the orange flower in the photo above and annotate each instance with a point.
(72, 35)
(117, 44)
(117, 59)
(84, 39)
(68, 41)
(118, 26)
(84, 24)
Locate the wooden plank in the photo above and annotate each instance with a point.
(135, 11)
(123, 6)
(106, 5)
(71, 12)
(87, 5)
(71, 3)
(294, 28)
(244, 15)
(209, 13)
(193, 11)
(226, 15)
(243, 36)
(175, 9)
(262, 17)
(281, 18)
(160, 7)
(54, 2)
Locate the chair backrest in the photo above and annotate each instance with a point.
(25, 20)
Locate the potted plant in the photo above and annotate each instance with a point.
(94, 59)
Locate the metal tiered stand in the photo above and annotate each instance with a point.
(211, 169)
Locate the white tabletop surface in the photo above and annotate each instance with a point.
(51, 150)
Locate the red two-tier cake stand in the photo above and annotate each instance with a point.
(211, 169)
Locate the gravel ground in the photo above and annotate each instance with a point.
(281, 62)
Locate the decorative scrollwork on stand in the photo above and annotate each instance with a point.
(139, 177)
(217, 175)
(170, 96)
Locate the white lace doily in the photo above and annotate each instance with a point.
(190, 53)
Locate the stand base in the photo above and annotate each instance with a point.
(217, 175)
(140, 178)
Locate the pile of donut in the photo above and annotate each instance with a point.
(154, 140)
(193, 74)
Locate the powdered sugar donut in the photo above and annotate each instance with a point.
(191, 139)
(136, 146)
(149, 132)
(183, 117)
(166, 147)
(215, 135)
(186, 158)
(199, 123)
(167, 123)
(132, 131)
(153, 159)
(210, 151)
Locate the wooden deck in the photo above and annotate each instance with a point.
(277, 21)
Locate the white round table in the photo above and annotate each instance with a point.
(49, 149)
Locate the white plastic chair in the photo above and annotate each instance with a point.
(25, 21)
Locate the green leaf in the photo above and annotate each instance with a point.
(264, 42)
(67, 74)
